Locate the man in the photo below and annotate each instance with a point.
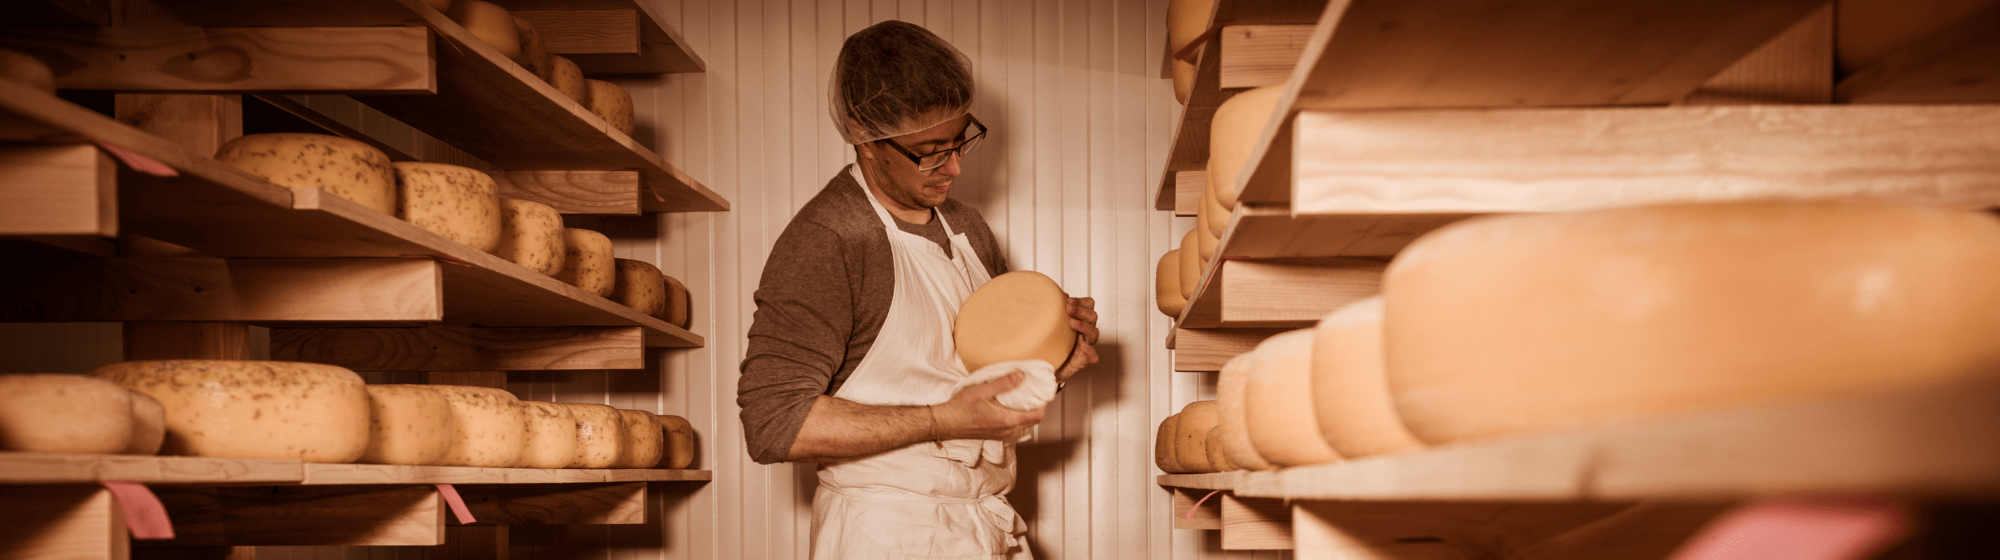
(851, 362)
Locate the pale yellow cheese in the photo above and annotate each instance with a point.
(1183, 77)
(1278, 411)
(1186, 20)
(567, 78)
(588, 263)
(1205, 235)
(552, 436)
(1233, 134)
(344, 168)
(254, 410)
(1350, 389)
(1531, 323)
(1165, 455)
(1191, 437)
(1020, 315)
(532, 57)
(63, 413)
(612, 103)
(1216, 459)
(410, 425)
(600, 436)
(531, 235)
(1167, 284)
(645, 443)
(677, 303)
(1191, 264)
(680, 441)
(149, 425)
(460, 203)
(491, 429)
(1230, 414)
(19, 67)
(1218, 215)
(489, 23)
(640, 286)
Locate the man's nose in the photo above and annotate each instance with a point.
(950, 167)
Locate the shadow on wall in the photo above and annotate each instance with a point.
(980, 183)
(1050, 451)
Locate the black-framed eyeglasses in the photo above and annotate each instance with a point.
(938, 158)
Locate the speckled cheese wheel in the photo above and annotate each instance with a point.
(1230, 409)
(552, 436)
(1167, 284)
(677, 303)
(600, 436)
(531, 235)
(1164, 454)
(679, 442)
(1218, 215)
(645, 443)
(1350, 389)
(1191, 264)
(489, 23)
(1282, 425)
(567, 78)
(411, 425)
(588, 263)
(63, 413)
(460, 203)
(1216, 458)
(16, 66)
(345, 168)
(612, 103)
(1186, 20)
(491, 428)
(149, 425)
(640, 287)
(1019, 315)
(1238, 122)
(254, 410)
(1191, 437)
(1183, 77)
(532, 57)
(1557, 321)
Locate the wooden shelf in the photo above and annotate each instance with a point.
(1203, 481)
(57, 468)
(658, 48)
(329, 474)
(219, 210)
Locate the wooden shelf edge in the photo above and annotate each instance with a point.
(1202, 481)
(324, 474)
(51, 468)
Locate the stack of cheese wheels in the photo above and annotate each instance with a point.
(1530, 323)
(567, 78)
(678, 301)
(612, 103)
(1164, 454)
(1191, 264)
(345, 168)
(1281, 425)
(491, 427)
(679, 441)
(531, 235)
(460, 203)
(408, 425)
(1020, 315)
(645, 443)
(254, 410)
(640, 286)
(1238, 122)
(68, 413)
(489, 23)
(600, 436)
(1186, 20)
(1197, 419)
(1350, 389)
(533, 57)
(18, 67)
(552, 436)
(1167, 284)
(1230, 410)
(587, 262)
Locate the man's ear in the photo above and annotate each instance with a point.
(864, 151)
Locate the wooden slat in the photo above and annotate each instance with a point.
(1200, 481)
(556, 504)
(1188, 186)
(1208, 349)
(661, 48)
(575, 192)
(44, 468)
(67, 189)
(1260, 55)
(1255, 523)
(235, 59)
(1293, 293)
(474, 542)
(263, 13)
(569, 32)
(339, 474)
(1959, 64)
(246, 290)
(439, 348)
(1242, 57)
(1268, 12)
(1191, 511)
(1538, 531)
(67, 522)
(1794, 67)
(408, 515)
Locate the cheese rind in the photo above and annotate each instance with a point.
(1349, 386)
(16, 66)
(253, 410)
(408, 425)
(1019, 315)
(1281, 425)
(1191, 439)
(492, 429)
(600, 436)
(645, 443)
(1216, 459)
(588, 263)
(489, 23)
(1233, 134)
(1204, 234)
(1186, 20)
(1167, 284)
(460, 203)
(1230, 413)
(63, 413)
(149, 425)
(612, 103)
(345, 168)
(640, 287)
(678, 300)
(532, 57)
(1183, 76)
(551, 436)
(1165, 454)
(680, 441)
(1218, 215)
(1191, 263)
(567, 78)
(531, 235)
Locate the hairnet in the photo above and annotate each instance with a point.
(895, 78)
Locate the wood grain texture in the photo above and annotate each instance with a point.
(63, 522)
(244, 290)
(556, 504)
(235, 59)
(260, 13)
(1958, 64)
(1438, 531)
(1200, 481)
(1188, 186)
(575, 192)
(69, 189)
(46, 468)
(475, 542)
(1255, 523)
(661, 48)
(1794, 67)
(350, 474)
(1208, 349)
(189, 341)
(439, 348)
(1293, 294)
(586, 31)
(1191, 511)
(1260, 55)
(305, 516)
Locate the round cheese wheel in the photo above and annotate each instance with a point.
(1218, 215)
(1191, 263)
(344, 168)
(149, 425)
(1229, 414)
(600, 436)
(63, 413)
(552, 436)
(640, 286)
(1167, 284)
(645, 443)
(491, 428)
(1183, 80)
(254, 410)
(680, 441)
(489, 23)
(1215, 456)
(439, 5)
(676, 312)
(1191, 437)
(460, 203)
(612, 103)
(19, 67)
(1165, 455)
(567, 78)
(409, 425)
(531, 235)
(1281, 424)
(1204, 235)
(532, 57)
(1349, 387)
(1531, 323)
(1186, 20)
(1233, 134)
(1020, 315)
(588, 263)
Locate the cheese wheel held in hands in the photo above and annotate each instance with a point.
(344, 168)
(1167, 284)
(1191, 439)
(644, 440)
(567, 78)
(149, 425)
(1233, 134)
(408, 425)
(587, 262)
(489, 23)
(460, 203)
(600, 436)
(1230, 411)
(1350, 389)
(679, 441)
(1278, 411)
(1191, 263)
(612, 103)
(1019, 315)
(531, 235)
(254, 410)
(63, 413)
(551, 437)
(491, 427)
(640, 287)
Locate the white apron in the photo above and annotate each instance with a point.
(916, 502)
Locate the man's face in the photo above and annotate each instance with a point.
(904, 184)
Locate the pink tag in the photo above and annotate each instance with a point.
(1799, 529)
(138, 162)
(1198, 503)
(145, 517)
(458, 509)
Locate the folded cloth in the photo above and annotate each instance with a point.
(1037, 388)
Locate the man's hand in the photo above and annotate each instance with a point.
(1082, 319)
(973, 413)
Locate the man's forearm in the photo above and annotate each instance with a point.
(840, 429)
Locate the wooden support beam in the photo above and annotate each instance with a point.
(1794, 67)
(1507, 530)
(586, 31)
(556, 504)
(1208, 516)
(80, 522)
(305, 515)
(1208, 349)
(576, 192)
(67, 189)
(245, 290)
(235, 59)
(1188, 186)
(1959, 64)
(474, 542)
(438, 348)
(1255, 523)
(1261, 55)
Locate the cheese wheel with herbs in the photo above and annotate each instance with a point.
(63, 413)
(641, 287)
(588, 263)
(645, 442)
(243, 409)
(149, 425)
(552, 436)
(344, 168)
(489, 23)
(1555, 321)
(19, 67)
(612, 103)
(460, 203)
(1167, 439)
(1191, 437)
(1020, 315)
(567, 78)
(1191, 263)
(532, 57)
(1230, 410)
(531, 235)
(1350, 388)
(491, 427)
(408, 425)
(679, 441)
(1233, 134)
(600, 436)
(1281, 422)
(1183, 76)
(678, 301)
(1167, 284)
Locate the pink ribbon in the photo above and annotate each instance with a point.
(145, 516)
(139, 162)
(1799, 529)
(1198, 503)
(458, 509)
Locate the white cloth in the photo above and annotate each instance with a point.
(1037, 388)
(915, 502)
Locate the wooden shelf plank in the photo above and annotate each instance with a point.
(64, 189)
(437, 348)
(331, 474)
(237, 59)
(660, 50)
(576, 192)
(1208, 349)
(65, 521)
(1552, 531)
(305, 516)
(556, 504)
(1960, 64)
(50, 468)
(1196, 508)
(1202, 481)
(239, 290)
(1243, 56)
(1255, 523)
